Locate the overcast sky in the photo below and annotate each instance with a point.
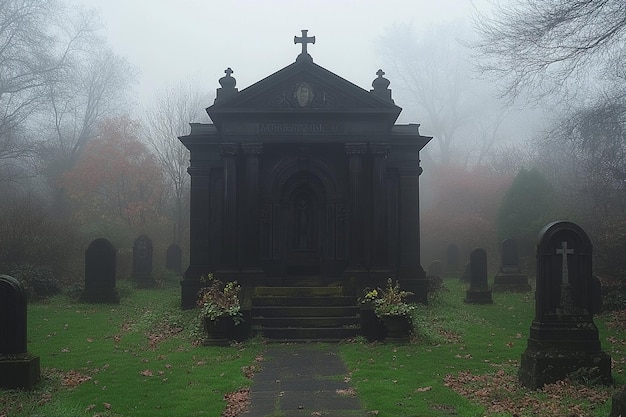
(176, 40)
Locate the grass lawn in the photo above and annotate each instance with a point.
(465, 359)
(140, 359)
(135, 359)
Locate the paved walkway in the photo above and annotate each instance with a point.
(302, 380)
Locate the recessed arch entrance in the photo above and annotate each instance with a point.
(304, 233)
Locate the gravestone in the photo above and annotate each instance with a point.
(435, 269)
(100, 273)
(142, 263)
(18, 368)
(510, 276)
(174, 258)
(465, 276)
(452, 259)
(563, 338)
(479, 292)
(618, 403)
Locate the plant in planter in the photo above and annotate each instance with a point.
(391, 307)
(220, 309)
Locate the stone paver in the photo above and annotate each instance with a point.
(302, 380)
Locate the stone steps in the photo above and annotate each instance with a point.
(304, 314)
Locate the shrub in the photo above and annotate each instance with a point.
(39, 281)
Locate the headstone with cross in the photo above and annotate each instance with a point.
(563, 338)
(510, 277)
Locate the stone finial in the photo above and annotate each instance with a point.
(381, 86)
(228, 86)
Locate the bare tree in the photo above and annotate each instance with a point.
(93, 87)
(435, 79)
(165, 120)
(585, 157)
(33, 50)
(548, 46)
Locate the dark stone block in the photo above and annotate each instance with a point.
(372, 328)
(19, 371)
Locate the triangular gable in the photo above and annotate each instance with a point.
(303, 88)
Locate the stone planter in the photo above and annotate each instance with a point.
(218, 331)
(398, 328)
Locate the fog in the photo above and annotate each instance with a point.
(169, 41)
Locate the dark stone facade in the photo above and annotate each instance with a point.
(304, 175)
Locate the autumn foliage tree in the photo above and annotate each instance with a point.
(117, 180)
(463, 211)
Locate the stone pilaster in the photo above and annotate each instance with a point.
(230, 233)
(251, 212)
(379, 247)
(356, 202)
(198, 235)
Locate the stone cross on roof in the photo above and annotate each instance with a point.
(304, 40)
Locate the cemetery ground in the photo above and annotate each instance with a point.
(142, 358)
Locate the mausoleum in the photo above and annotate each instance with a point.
(305, 179)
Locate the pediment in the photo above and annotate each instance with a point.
(302, 88)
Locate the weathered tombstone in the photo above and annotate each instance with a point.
(563, 339)
(465, 276)
(100, 273)
(479, 292)
(510, 276)
(618, 403)
(174, 258)
(435, 269)
(452, 259)
(18, 368)
(142, 262)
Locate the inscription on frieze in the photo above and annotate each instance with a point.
(299, 128)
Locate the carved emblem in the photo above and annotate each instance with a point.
(303, 93)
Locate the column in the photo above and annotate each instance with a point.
(199, 233)
(229, 233)
(355, 152)
(409, 222)
(250, 238)
(379, 206)
(411, 275)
